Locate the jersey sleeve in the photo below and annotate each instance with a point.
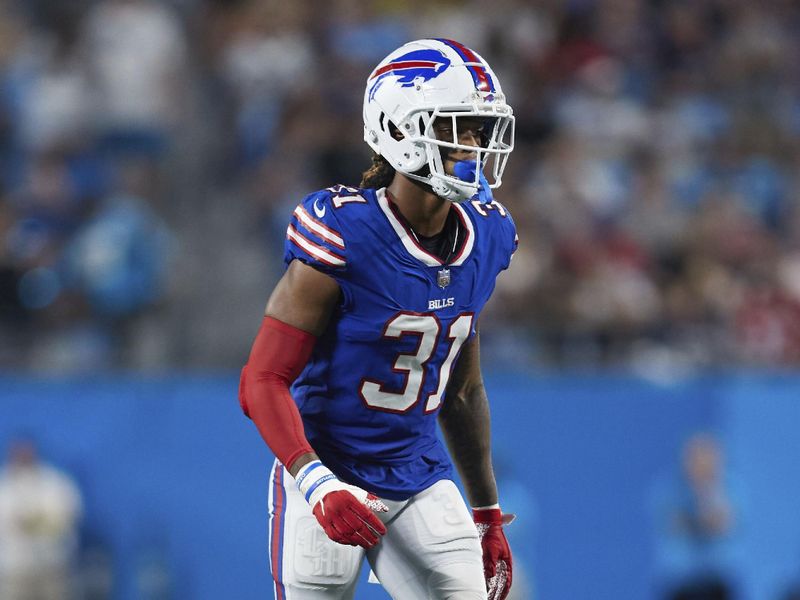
(314, 236)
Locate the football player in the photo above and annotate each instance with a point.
(371, 336)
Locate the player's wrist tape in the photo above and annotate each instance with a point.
(314, 480)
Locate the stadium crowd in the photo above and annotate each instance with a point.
(151, 153)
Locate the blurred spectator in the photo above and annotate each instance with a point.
(699, 515)
(360, 33)
(136, 57)
(40, 509)
(84, 255)
(47, 94)
(265, 58)
(118, 257)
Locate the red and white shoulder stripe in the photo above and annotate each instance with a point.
(317, 239)
(315, 250)
(318, 227)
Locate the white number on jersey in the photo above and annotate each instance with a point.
(427, 327)
(344, 194)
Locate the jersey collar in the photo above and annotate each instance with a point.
(410, 243)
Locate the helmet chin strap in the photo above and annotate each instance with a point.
(447, 190)
(452, 191)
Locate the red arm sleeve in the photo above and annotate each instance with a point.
(279, 354)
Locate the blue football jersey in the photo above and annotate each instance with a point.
(371, 391)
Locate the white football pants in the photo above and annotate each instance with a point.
(430, 550)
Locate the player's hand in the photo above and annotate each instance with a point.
(496, 552)
(465, 170)
(344, 511)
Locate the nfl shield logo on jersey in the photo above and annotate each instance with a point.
(443, 278)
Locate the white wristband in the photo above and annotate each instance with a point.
(311, 480)
(493, 506)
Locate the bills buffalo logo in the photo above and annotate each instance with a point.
(408, 68)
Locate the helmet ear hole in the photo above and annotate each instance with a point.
(395, 132)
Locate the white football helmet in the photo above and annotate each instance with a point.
(426, 80)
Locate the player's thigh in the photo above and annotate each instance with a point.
(305, 563)
(431, 550)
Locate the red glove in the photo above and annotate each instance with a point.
(496, 553)
(344, 511)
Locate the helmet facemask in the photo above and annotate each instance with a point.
(423, 148)
(486, 162)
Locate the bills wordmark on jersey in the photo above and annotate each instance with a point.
(440, 303)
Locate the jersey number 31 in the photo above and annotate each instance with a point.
(413, 364)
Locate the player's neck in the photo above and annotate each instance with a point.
(425, 212)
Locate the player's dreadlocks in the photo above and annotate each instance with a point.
(379, 175)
